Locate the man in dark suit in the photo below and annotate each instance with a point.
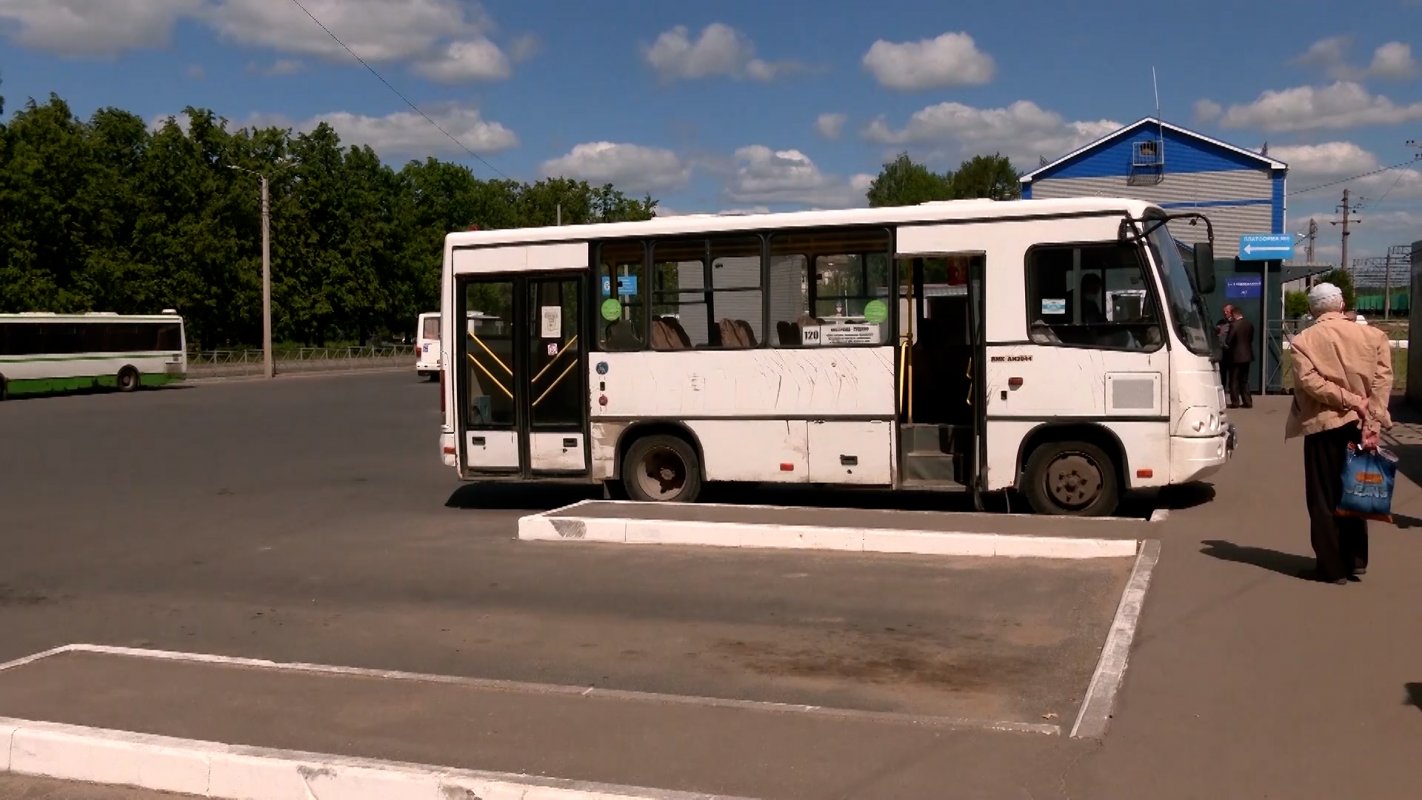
(1239, 357)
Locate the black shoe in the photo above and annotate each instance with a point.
(1315, 575)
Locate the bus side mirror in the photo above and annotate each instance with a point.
(1204, 268)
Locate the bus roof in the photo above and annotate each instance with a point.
(88, 316)
(944, 210)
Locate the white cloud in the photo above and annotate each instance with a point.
(405, 133)
(720, 50)
(1022, 131)
(1344, 104)
(630, 167)
(1393, 60)
(474, 59)
(1207, 110)
(408, 31)
(831, 125)
(375, 29)
(952, 59)
(91, 27)
(860, 182)
(763, 175)
(1312, 163)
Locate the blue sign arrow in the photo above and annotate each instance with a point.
(1266, 247)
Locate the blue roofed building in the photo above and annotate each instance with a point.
(1239, 190)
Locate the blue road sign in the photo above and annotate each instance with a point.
(606, 286)
(1242, 287)
(627, 284)
(1266, 246)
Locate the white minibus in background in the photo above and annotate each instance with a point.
(427, 347)
(44, 353)
(429, 358)
(1056, 347)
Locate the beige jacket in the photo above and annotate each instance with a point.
(1336, 362)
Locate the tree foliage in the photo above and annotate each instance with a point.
(106, 214)
(904, 182)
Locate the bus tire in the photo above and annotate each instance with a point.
(662, 469)
(128, 379)
(1071, 478)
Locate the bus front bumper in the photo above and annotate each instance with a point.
(1192, 458)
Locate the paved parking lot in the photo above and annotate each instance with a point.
(310, 520)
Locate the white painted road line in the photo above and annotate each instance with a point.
(1095, 714)
(567, 527)
(489, 684)
(215, 770)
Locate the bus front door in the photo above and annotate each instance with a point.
(524, 393)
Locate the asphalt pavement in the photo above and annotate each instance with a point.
(310, 520)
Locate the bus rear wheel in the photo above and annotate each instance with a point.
(662, 469)
(1072, 479)
(128, 379)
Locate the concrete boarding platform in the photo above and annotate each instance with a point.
(846, 529)
(217, 726)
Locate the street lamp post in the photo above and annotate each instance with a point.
(268, 367)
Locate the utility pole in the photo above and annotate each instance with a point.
(268, 363)
(1387, 285)
(1312, 237)
(268, 366)
(1347, 220)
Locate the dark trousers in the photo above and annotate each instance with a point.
(1237, 383)
(1339, 543)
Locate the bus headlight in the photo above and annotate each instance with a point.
(1198, 421)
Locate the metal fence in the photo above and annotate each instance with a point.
(1279, 377)
(223, 363)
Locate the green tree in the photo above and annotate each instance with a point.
(1295, 305)
(905, 182)
(987, 176)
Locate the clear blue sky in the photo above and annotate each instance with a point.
(767, 104)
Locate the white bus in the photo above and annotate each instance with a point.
(428, 353)
(42, 352)
(954, 346)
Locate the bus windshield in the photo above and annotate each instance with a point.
(1187, 310)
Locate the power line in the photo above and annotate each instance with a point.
(1398, 165)
(397, 92)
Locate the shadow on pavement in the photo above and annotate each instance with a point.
(1187, 495)
(1414, 696)
(1290, 564)
(519, 496)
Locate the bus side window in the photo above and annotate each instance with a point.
(621, 295)
(1091, 295)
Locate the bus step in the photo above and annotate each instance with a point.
(928, 439)
(932, 467)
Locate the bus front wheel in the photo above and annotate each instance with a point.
(662, 469)
(1071, 479)
(128, 379)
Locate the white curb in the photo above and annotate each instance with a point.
(210, 769)
(567, 527)
(1095, 714)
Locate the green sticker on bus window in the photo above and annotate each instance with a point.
(876, 311)
(612, 309)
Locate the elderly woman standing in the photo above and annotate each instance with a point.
(1342, 381)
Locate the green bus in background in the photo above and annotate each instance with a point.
(44, 353)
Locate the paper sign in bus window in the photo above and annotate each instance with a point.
(1053, 305)
(552, 322)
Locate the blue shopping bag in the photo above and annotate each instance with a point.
(1368, 477)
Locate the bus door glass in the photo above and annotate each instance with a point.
(523, 396)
